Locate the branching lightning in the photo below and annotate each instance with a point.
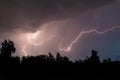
(32, 36)
(81, 34)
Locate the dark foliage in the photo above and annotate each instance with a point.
(61, 65)
(8, 48)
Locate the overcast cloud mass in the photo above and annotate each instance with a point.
(61, 21)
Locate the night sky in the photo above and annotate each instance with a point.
(71, 27)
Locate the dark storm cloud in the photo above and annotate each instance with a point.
(28, 14)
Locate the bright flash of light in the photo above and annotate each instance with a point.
(31, 37)
(81, 34)
(24, 51)
(34, 35)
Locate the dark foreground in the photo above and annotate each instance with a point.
(49, 67)
(61, 72)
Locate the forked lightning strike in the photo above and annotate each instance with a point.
(32, 36)
(82, 33)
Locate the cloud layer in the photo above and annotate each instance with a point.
(28, 15)
(63, 18)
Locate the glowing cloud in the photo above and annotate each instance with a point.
(31, 37)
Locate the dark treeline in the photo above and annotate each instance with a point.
(8, 48)
(55, 66)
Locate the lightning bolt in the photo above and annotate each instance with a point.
(81, 34)
(32, 36)
(24, 51)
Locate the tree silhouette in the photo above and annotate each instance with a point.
(107, 60)
(7, 48)
(94, 58)
(79, 61)
(58, 58)
(51, 58)
(87, 60)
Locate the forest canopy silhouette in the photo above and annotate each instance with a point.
(8, 48)
(57, 67)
